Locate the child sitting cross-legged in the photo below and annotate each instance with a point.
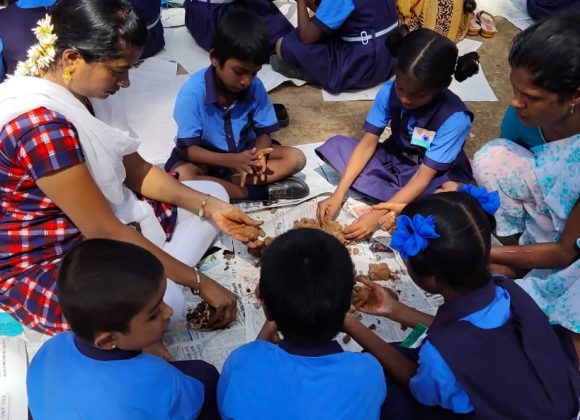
(111, 294)
(490, 351)
(225, 118)
(306, 282)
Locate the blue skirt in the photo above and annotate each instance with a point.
(337, 65)
(388, 170)
(201, 19)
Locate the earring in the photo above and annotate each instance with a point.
(66, 76)
(572, 108)
(113, 346)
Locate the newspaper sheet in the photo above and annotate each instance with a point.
(13, 365)
(236, 269)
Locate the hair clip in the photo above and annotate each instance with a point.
(489, 201)
(410, 236)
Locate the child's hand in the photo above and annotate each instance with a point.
(374, 299)
(260, 162)
(242, 163)
(328, 208)
(393, 209)
(269, 332)
(363, 227)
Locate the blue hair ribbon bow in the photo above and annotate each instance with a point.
(489, 201)
(410, 236)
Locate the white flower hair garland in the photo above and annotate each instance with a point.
(42, 54)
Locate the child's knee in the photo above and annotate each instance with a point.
(299, 158)
(188, 171)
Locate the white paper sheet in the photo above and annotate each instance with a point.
(289, 9)
(354, 95)
(13, 366)
(180, 45)
(173, 17)
(159, 66)
(150, 101)
(476, 88)
(272, 79)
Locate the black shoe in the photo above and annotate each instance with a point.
(287, 69)
(282, 115)
(290, 188)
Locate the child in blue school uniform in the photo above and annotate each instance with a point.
(225, 120)
(202, 18)
(429, 127)
(111, 294)
(18, 19)
(16, 23)
(306, 281)
(150, 13)
(341, 47)
(490, 351)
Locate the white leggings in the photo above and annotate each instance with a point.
(191, 238)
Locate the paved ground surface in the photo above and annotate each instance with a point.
(312, 119)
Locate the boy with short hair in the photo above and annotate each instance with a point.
(306, 282)
(111, 294)
(225, 118)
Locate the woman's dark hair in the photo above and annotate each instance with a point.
(103, 284)
(99, 30)
(429, 57)
(550, 51)
(241, 35)
(306, 282)
(460, 256)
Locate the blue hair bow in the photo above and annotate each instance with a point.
(411, 235)
(489, 201)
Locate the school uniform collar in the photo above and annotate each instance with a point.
(332, 347)
(104, 355)
(460, 308)
(211, 91)
(31, 4)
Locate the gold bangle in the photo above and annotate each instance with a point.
(201, 211)
(197, 289)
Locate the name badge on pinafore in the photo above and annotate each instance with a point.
(422, 137)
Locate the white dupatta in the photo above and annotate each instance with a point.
(103, 146)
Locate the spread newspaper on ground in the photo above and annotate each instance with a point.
(235, 268)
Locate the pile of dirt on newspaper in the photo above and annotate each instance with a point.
(332, 228)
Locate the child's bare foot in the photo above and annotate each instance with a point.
(159, 350)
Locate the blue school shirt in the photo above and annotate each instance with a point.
(448, 141)
(65, 382)
(331, 14)
(513, 129)
(434, 384)
(261, 380)
(201, 121)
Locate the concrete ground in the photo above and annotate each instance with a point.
(312, 119)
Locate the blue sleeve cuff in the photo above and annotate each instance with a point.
(267, 130)
(373, 129)
(437, 166)
(188, 141)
